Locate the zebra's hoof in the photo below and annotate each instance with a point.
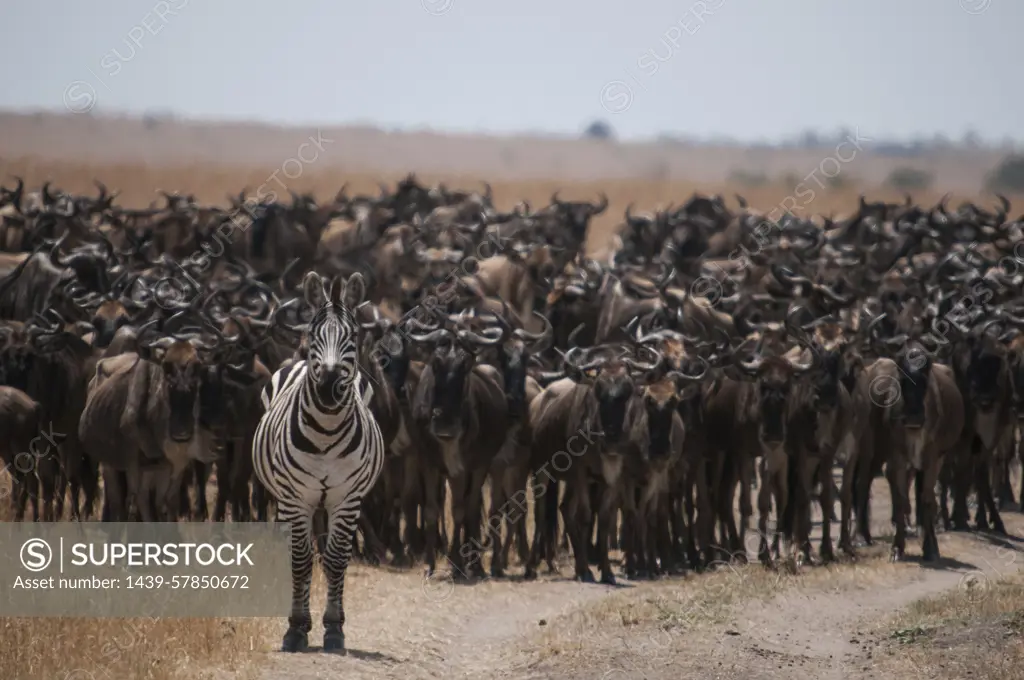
(295, 641)
(334, 643)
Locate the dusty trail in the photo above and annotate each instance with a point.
(401, 625)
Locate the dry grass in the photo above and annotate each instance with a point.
(974, 631)
(654, 624)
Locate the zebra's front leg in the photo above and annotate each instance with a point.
(300, 621)
(342, 527)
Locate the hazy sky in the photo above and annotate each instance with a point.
(746, 68)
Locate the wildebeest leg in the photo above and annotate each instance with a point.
(551, 529)
(666, 553)
(576, 515)
(896, 473)
(431, 512)
(807, 475)
(986, 497)
(630, 532)
(457, 552)
(595, 502)
(846, 505)
(828, 500)
(930, 543)
(20, 481)
(746, 508)
(730, 539)
(47, 470)
(716, 485)
(764, 508)
(684, 522)
(607, 515)
(865, 475)
(241, 473)
(1006, 498)
(705, 526)
(497, 516)
(961, 478)
(514, 514)
(260, 500)
(201, 510)
(1019, 446)
(413, 493)
(225, 482)
(945, 476)
(89, 479)
(474, 520)
(541, 490)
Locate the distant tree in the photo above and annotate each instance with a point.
(906, 178)
(599, 129)
(971, 140)
(809, 139)
(1008, 175)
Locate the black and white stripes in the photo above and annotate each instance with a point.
(318, 446)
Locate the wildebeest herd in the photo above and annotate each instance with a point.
(712, 349)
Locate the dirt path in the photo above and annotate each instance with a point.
(822, 634)
(401, 625)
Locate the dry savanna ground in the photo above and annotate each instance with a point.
(864, 618)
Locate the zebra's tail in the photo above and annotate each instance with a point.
(320, 530)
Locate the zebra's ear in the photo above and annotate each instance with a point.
(313, 289)
(354, 291)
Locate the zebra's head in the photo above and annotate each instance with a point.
(333, 357)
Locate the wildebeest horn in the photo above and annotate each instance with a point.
(540, 339)
(645, 367)
(682, 378)
(432, 336)
(486, 338)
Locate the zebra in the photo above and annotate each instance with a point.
(318, 449)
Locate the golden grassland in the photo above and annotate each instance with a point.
(140, 185)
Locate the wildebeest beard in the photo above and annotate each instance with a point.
(514, 373)
(1017, 371)
(826, 386)
(659, 429)
(181, 421)
(450, 376)
(984, 380)
(612, 400)
(913, 389)
(773, 414)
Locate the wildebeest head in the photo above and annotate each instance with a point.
(986, 368)
(182, 368)
(108, 317)
(775, 376)
(661, 399)
(1015, 359)
(516, 348)
(611, 377)
(576, 214)
(16, 355)
(915, 367)
(451, 364)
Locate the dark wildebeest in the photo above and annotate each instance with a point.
(912, 408)
(461, 414)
